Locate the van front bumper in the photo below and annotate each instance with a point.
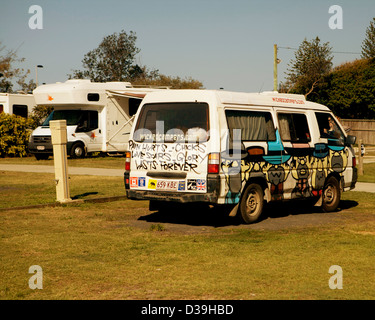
(40, 148)
(211, 196)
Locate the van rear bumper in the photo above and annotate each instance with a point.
(211, 196)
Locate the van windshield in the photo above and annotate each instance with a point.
(72, 117)
(170, 122)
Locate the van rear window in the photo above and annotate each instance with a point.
(170, 122)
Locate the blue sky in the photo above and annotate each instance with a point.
(221, 43)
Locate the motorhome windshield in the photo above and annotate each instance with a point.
(170, 122)
(72, 117)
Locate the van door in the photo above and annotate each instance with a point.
(170, 148)
(296, 136)
(338, 156)
(261, 149)
(88, 130)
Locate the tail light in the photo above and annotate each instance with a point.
(213, 163)
(127, 160)
(354, 162)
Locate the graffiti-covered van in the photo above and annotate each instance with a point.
(237, 149)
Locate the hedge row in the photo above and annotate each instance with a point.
(14, 135)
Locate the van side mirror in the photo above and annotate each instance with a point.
(350, 140)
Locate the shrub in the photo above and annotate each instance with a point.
(14, 135)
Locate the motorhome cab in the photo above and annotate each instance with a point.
(98, 115)
(242, 149)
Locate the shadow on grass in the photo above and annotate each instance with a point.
(84, 195)
(204, 215)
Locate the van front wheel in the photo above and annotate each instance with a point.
(251, 205)
(331, 195)
(77, 151)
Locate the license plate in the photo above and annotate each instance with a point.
(167, 185)
(40, 148)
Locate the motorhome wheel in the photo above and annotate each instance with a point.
(77, 151)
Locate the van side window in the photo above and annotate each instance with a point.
(329, 128)
(294, 127)
(254, 125)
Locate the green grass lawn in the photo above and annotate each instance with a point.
(100, 251)
(26, 189)
(111, 162)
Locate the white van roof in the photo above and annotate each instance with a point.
(267, 98)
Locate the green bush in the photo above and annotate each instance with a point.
(14, 135)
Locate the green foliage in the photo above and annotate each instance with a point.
(112, 60)
(115, 60)
(312, 61)
(38, 115)
(368, 45)
(349, 90)
(172, 82)
(9, 73)
(13, 135)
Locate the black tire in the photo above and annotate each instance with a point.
(252, 202)
(77, 151)
(331, 195)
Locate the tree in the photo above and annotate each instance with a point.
(368, 45)
(349, 90)
(172, 82)
(112, 60)
(312, 61)
(38, 115)
(115, 60)
(8, 73)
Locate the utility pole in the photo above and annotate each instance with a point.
(275, 62)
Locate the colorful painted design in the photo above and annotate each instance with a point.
(288, 177)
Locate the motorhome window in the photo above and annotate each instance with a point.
(93, 97)
(254, 125)
(20, 110)
(1, 108)
(328, 127)
(72, 117)
(88, 121)
(294, 127)
(170, 122)
(133, 106)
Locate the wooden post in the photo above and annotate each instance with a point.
(360, 158)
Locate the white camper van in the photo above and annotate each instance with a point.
(240, 149)
(17, 103)
(99, 116)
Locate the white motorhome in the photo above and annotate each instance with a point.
(99, 116)
(19, 104)
(240, 149)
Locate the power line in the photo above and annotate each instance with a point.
(345, 52)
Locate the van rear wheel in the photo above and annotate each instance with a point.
(331, 195)
(252, 201)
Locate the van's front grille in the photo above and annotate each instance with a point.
(42, 139)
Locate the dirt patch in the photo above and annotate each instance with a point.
(277, 216)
